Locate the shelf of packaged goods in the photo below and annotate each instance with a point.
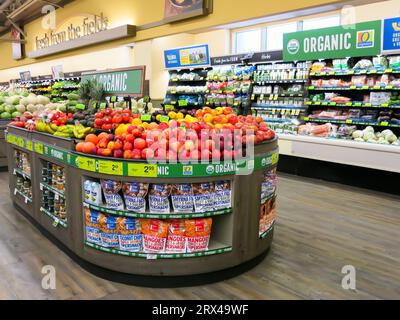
(348, 152)
(235, 104)
(276, 107)
(23, 195)
(267, 232)
(277, 120)
(182, 80)
(271, 95)
(186, 93)
(355, 122)
(147, 215)
(352, 88)
(57, 220)
(280, 81)
(52, 189)
(214, 248)
(353, 73)
(22, 173)
(233, 91)
(351, 104)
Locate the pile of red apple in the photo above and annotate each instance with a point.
(107, 119)
(180, 140)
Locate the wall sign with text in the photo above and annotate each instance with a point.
(361, 39)
(256, 57)
(122, 82)
(187, 57)
(391, 35)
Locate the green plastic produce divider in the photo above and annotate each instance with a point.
(148, 170)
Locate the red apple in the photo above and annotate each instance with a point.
(128, 146)
(131, 128)
(139, 143)
(130, 138)
(136, 154)
(118, 153)
(128, 154)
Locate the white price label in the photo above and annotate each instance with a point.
(151, 256)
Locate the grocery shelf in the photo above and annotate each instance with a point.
(279, 95)
(52, 189)
(22, 173)
(267, 232)
(353, 73)
(181, 80)
(349, 152)
(148, 215)
(26, 198)
(56, 219)
(352, 104)
(214, 248)
(352, 88)
(281, 81)
(275, 106)
(356, 122)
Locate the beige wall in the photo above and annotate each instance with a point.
(105, 59)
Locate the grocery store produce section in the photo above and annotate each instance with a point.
(142, 195)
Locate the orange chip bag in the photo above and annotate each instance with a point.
(176, 240)
(198, 233)
(154, 235)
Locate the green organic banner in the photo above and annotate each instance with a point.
(128, 82)
(361, 39)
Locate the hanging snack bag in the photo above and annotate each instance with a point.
(154, 235)
(159, 198)
(110, 190)
(135, 196)
(222, 195)
(93, 233)
(129, 234)
(198, 233)
(182, 197)
(269, 183)
(95, 193)
(176, 240)
(203, 196)
(109, 231)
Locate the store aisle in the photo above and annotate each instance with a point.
(321, 227)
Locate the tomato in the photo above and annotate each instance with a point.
(117, 118)
(107, 120)
(108, 111)
(98, 123)
(99, 115)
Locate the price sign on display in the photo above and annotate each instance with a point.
(103, 105)
(80, 106)
(113, 99)
(348, 121)
(142, 170)
(182, 103)
(384, 123)
(39, 148)
(29, 145)
(164, 119)
(56, 222)
(111, 167)
(146, 117)
(85, 163)
(168, 107)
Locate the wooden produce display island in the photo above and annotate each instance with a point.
(49, 185)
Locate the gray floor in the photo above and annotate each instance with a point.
(321, 227)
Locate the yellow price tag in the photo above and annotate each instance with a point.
(9, 138)
(19, 142)
(142, 170)
(111, 167)
(39, 148)
(275, 158)
(29, 145)
(85, 163)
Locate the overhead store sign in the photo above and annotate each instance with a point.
(361, 39)
(391, 35)
(187, 57)
(266, 56)
(123, 82)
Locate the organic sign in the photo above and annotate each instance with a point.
(129, 81)
(391, 35)
(361, 39)
(187, 57)
(88, 26)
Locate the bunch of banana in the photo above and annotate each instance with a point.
(42, 126)
(80, 131)
(64, 131)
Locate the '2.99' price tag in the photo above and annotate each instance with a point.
(111, 167)
(142, 170)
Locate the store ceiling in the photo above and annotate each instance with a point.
(21, 12)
